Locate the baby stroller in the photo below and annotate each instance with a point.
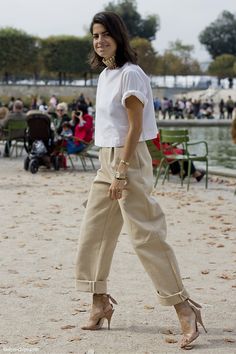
(39, 143)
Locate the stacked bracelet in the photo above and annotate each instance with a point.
(120, 176)
(124, 162)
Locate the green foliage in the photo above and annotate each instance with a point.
(177, 60)
(181, 50)
(223, 66)
(146, 54)
(137, 27)
(169, 64)
(18, 51)
(67, 54)
(219, 36)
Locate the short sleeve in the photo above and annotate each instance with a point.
(133, 85)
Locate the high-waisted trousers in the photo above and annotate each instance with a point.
(145, 223)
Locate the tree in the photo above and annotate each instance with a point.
(66, 55)
(169, 64)
(19, 52)
(179, 57)
(219, 36)
(146, 54)
(223, 67)
(137, 27)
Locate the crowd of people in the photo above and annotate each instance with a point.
(194, 108)
(72, 125)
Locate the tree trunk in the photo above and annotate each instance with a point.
(85, 78)
(230, 82)
(60, 78)
(6, 77)
(64, 77)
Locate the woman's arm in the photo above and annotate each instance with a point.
(134, 109)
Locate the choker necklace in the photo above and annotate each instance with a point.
(110, 62)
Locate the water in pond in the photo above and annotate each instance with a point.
(222, 152)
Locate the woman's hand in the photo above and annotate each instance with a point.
(116, 188)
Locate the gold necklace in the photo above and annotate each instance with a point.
(110, 62)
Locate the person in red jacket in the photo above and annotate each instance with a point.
(175, 166)
(82, 130)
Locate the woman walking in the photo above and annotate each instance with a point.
(121, 191)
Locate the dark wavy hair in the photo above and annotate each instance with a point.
(118, 31)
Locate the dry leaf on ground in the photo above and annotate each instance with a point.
(32, 340)
(229, 340)
(74, 339)
(68, 327)
(148, 307)
(170, 340)
(205, 271)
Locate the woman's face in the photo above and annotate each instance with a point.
(103, 44)
(60, 112)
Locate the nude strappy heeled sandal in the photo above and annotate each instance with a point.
(188, 338)
(101, 309)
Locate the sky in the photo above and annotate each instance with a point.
(179, 19)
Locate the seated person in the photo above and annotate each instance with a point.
(67, 132)
(62, 116)
(17, 114)
(3, 112)
(88, 121)
(82, 134)
(175, 166)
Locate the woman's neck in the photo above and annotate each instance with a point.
(110, 62)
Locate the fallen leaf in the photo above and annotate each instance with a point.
(2, 341)
(148, 307)
(40, 285)
(74, 339)
(205, 271)
(225, 276)
(68, 327)
(23, 296)
(58, 267)
(76, 311)
(166, 331)
(229, 340)
(50, 337)
(170, 340)
(32, 341)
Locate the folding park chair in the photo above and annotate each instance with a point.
(84, 155)
(159, 156)
(180, 139)
(9, 133)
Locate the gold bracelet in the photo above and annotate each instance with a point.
(120, 176)
(124, 162)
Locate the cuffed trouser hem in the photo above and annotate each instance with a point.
(95, 287)
(173, 299)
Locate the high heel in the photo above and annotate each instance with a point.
(188, 338)
(101, 309)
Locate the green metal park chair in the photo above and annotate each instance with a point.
(13, 135)
(159, 157)
(180, 139)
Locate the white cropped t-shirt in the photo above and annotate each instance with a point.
(111, 121)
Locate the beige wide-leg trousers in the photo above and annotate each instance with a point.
(144, 220)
